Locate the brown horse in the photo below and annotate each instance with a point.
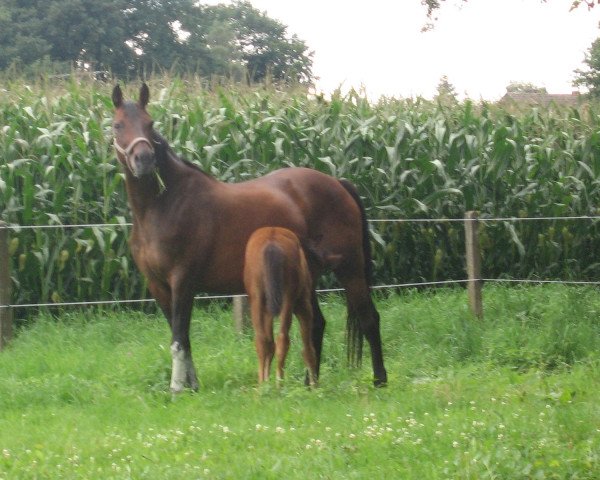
(278, 283)
(190, 231)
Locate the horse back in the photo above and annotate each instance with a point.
(201, 229)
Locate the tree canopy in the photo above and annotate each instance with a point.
(432, 6)
(590, 78)
(524, 87)
(135, 36)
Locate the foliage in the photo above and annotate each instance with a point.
(409, 159)
(141, 36)
(264, 48)
(432, 6)
(446, 93)
(590, 78)
(524, 87)
(514, 396)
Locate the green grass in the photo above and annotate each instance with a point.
(514, 396)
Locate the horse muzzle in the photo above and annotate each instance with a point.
(142, 161)
(142, 164)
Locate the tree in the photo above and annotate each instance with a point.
(590, 78)
(131, 37)
(75, 31)
(266, 49)
(432, 6)
(446, 93)
(155, 35)
(524, 87)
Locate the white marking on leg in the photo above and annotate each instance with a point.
(178, 373)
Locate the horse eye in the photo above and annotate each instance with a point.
(117, 126)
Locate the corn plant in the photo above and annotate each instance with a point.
(409, 159)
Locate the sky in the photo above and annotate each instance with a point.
(480, 45)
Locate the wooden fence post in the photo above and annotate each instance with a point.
(241, 313)
(473, 263)
(6, 313)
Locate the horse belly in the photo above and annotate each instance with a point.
(223, 275)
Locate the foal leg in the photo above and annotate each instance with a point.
(305, 317)
(361, 308)
(262, 322)
(283, 339)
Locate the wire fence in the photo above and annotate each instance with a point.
(321, 291)
(377, 220)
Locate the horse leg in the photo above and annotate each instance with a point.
(304, 313)
(183, 373)
(318, 330)
(362, 310)
(162, 295)
(283, 339)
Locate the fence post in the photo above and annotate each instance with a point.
(6, 313)
(241, 313)
(473, 263)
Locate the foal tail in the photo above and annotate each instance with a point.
(274, 281)
(353, 330)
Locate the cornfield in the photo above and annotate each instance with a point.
(409, 159)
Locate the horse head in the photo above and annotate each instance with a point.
(133, 132)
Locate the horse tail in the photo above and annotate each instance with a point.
(274, 281)
(353, 331)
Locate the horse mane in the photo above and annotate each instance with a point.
(163, 148)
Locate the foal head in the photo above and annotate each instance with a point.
(133, 134)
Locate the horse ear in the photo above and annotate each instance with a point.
(117, 96)
(144, 95)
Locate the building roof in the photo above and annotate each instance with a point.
(570, 99)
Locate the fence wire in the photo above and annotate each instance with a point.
(374, 220)
(321, 291)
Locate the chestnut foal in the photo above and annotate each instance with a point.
(279, 283)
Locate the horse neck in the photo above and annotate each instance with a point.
(156, 191)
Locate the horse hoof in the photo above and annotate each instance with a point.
(380, 383)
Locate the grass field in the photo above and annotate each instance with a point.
(514, 396)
